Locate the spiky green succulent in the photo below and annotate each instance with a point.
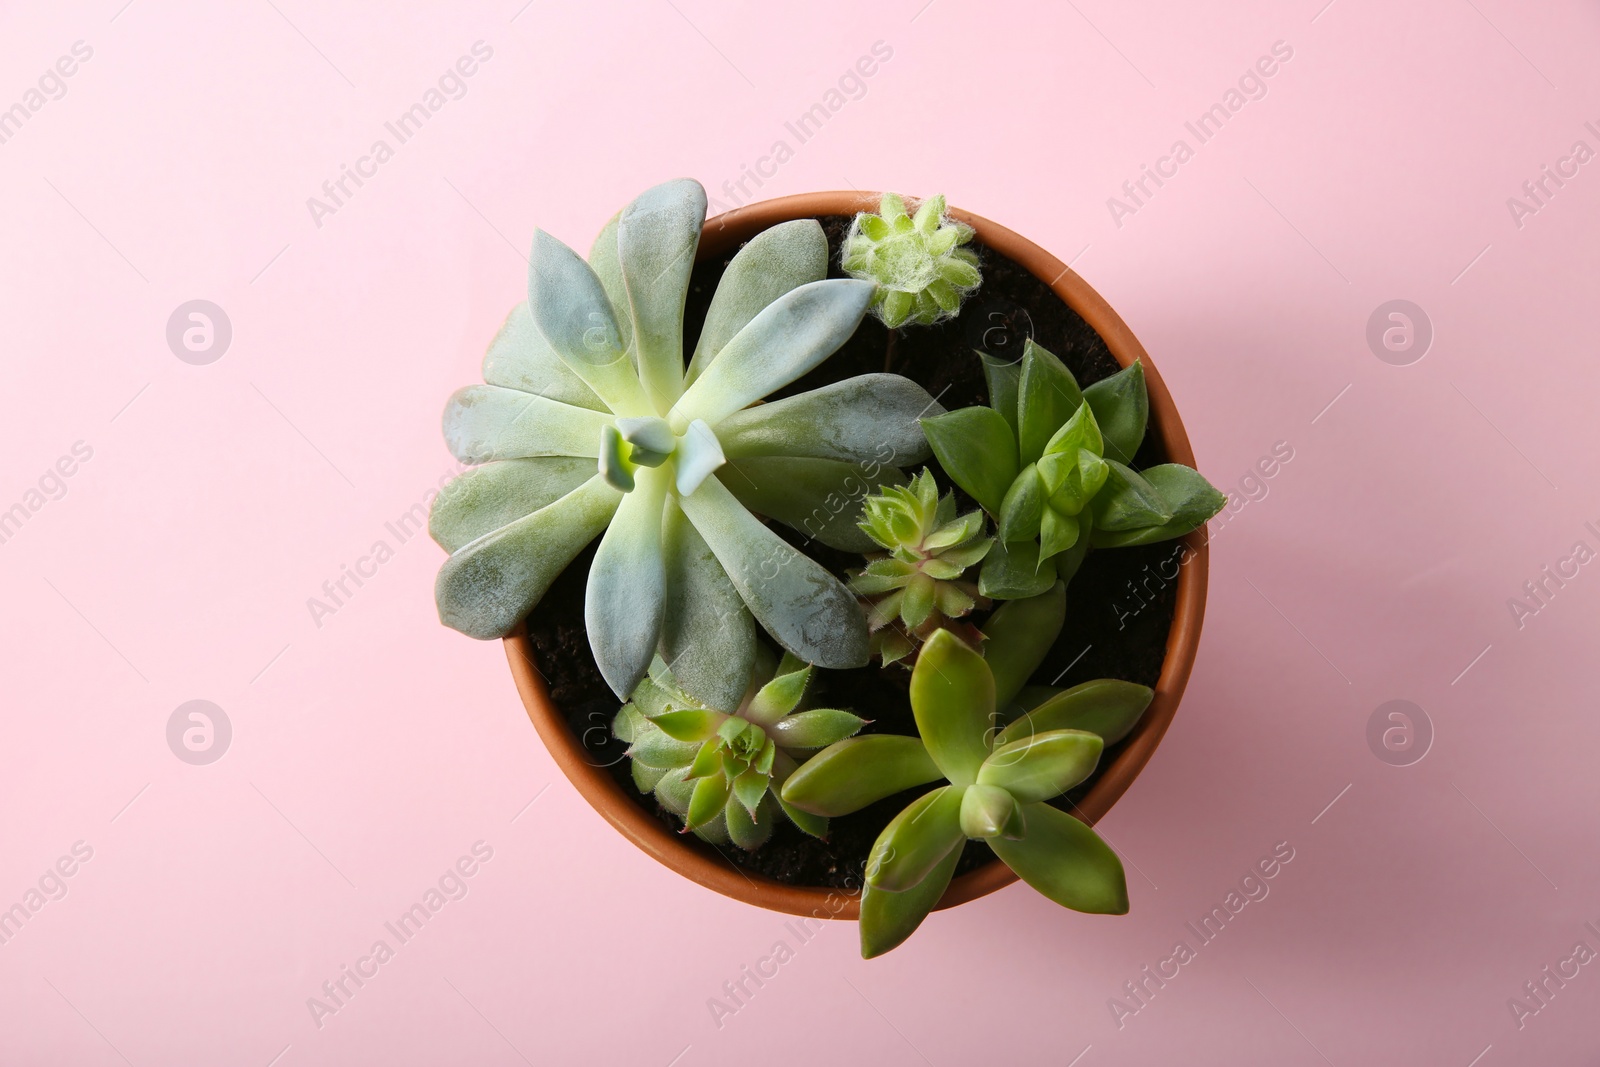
(998, 788)
(592, 423)
(1051, 464)
(720, 770)
(919, 584)
(917, 261)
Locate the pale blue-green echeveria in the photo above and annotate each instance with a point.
(720, 770)
(592, 422)
(921, 269)
(997, 789)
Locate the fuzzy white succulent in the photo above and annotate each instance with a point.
(591, 422)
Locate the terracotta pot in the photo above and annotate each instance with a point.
(689, 857)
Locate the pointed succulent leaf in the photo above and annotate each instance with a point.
(625, 602)
(1128, 501)
(1057, 532)
(714, 832)
(520, 358)
(749, 788)
(819, 497)
(628, 723)
(1107, 707)
(1192, 499)
(806, 610)
(675, 789)
(775, 261)
(867, 418)
(887, 919)
(571, 309)
(605, 261)
(655, 748)
(1047, 395)
(987, 810)
(918, 602)
(486, 498)
(1003, 377)
(915, 840)
(710, 794)
(769, 755)
(780, 696)
(1011, 571)
(1066, 861)
(978, 450)
(952, 697)
(707, 760)
(1020, 635)
(1121, 406)
(706, 634)
(744, 828)
(645, 777)
(1022, 510)
(786, 339)
(690, 724)
(1043, 765)
(1080, 431)
(849, 775)
(816, 729)
(486, 422)
(895, 307)
(699, 453)
(488, 587)
(656, 241)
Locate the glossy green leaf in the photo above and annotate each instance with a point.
(779, 696)
(625, 601)
(1011, 571)
(887, 919)
(520, 358)
(1004, 377)
(1043, 765)
(1107, 707)
(1020, 635)
(1022, 510)
(987, 811)
(1079, 432)
(708, 638)
(1057, 533)
(774, 262)
(915, 840)
(707, 761)
(710, 795)
(1067, 562)
(819, 497)
(978, 450)
(952, 697)
(816, 729)
(849, 775)
(1047, 395)
(1066, 861)
(1128, 501)
(1121, 406)
(486, 498)
(1192, 499)
(656, 240)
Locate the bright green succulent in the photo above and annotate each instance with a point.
(1050, 463)
(919, 585)
(591, 422)
(998, 788)
(721, 770)
(917, 261)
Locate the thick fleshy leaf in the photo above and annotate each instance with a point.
(806, 610)
(674, 790)
(487, 422)
(1043, 765)
(690, 724)
(486, 498)
(520, 358)
(705, 804)
(887, 919)
(707, 636)
(656, 748)
(914, 842)
(819, 497)
(781, 695)
(749, 788)
(978, 450)
(646, 778)
(488, 587)
(816, 728)
(1047, 396)
(1020, 634)
(988, 811)
(1128, 501)
(784, 767)
(1012, 572)
(628, 724)
(1067, 862)
(851, 774)
(625, 602)
(775, 261)
(656, 241)
(1121, 406)
(1192, 499)
(1106, 706)
(952, 697)
(1057, 532)
(749, 831)
(786, 339)
(871, 418)
(699, 454)
(571, 309)
(607, 266)
(1022, 511)
(1004, 377)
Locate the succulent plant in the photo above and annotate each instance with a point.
(590, 423)
(998, 789)
(719, 769)
(919, 584)
(1051, 464)
(917, 261)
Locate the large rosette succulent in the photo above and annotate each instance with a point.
(591, 422)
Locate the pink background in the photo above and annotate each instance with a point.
(371, 751)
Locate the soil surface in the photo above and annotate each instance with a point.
(1119, 607)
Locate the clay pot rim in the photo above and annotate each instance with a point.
(699, 862)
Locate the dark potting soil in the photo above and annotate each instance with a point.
(1120, 607)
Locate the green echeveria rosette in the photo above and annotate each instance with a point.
(920, 583)
(917, 261)
(720, 770)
